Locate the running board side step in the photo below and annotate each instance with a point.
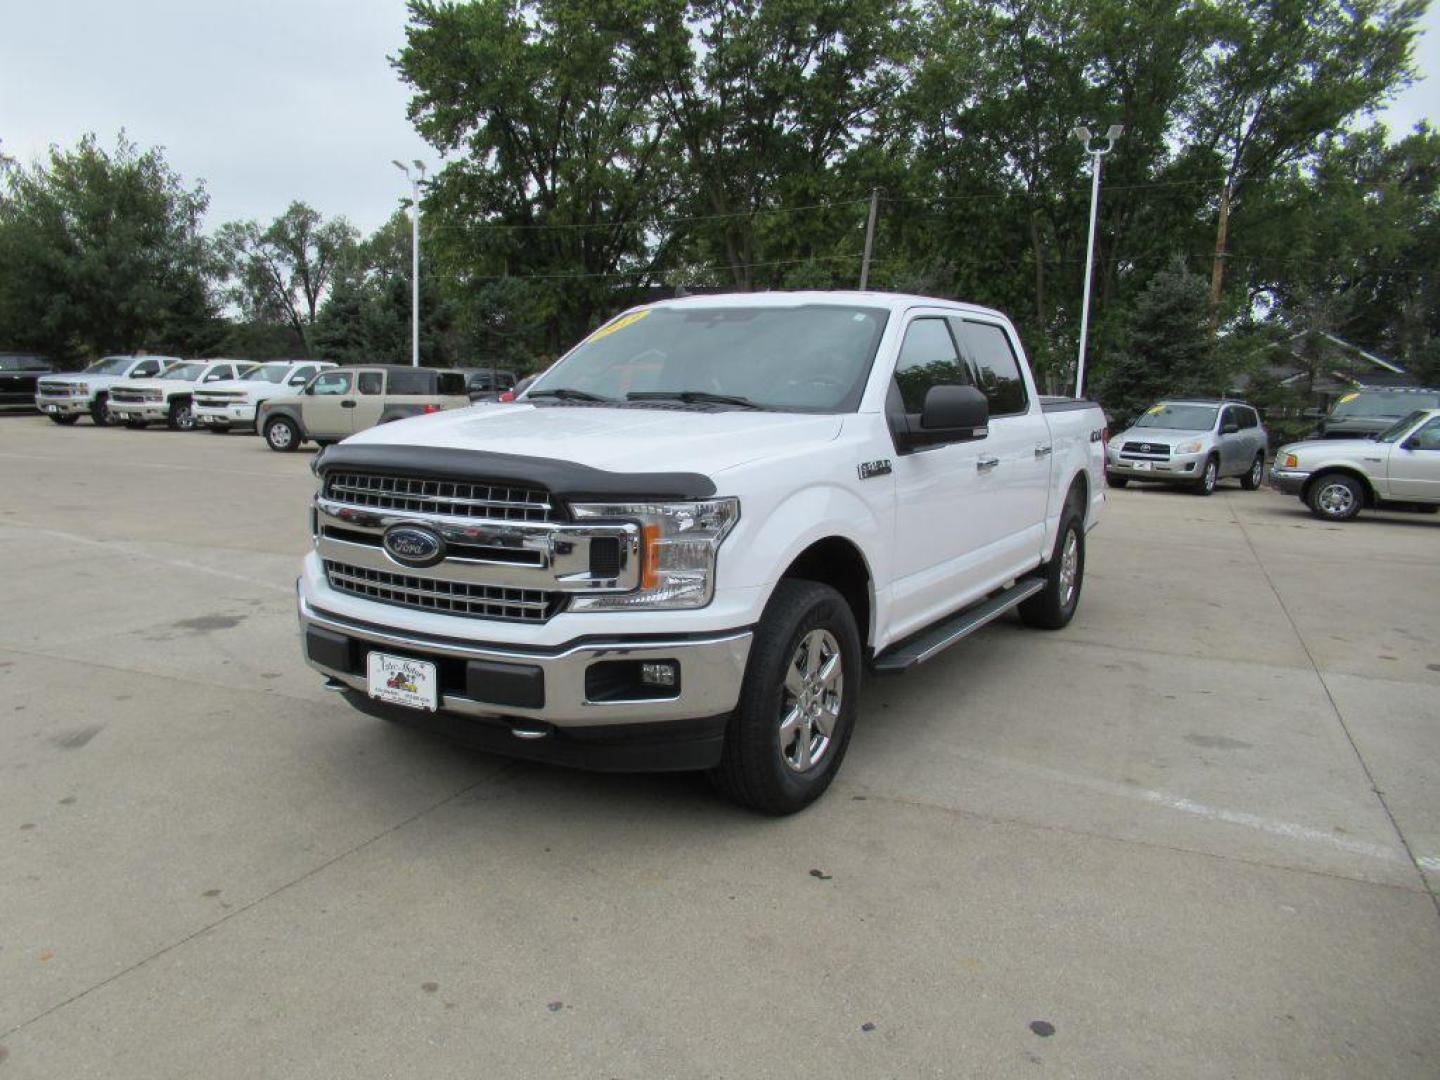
(939, 637)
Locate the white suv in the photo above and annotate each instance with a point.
(231, 403)
(169, 396)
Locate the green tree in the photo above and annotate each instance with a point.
(103, 252)
(280, 274)
(1170, 352)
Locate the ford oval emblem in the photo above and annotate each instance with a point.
(413, 545)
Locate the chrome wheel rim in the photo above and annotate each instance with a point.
(811, 699)
(1256, 471)
(184, 419)
(1210, 476)
(1069, 567)
(1336, 499)
(280, 435)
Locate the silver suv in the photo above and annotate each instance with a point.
(1192, 443)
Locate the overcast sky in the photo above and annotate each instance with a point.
(270, 100)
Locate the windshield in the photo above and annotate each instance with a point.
(1394, 432)
(110, 365)
(812, 358)
(271, 373)
(1383, 402)
(1178, 417)
(182, 372)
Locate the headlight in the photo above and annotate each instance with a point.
(677, 556)
(1191, 447)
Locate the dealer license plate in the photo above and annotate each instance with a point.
(402, 681)
(52, 408)
(1142, 466)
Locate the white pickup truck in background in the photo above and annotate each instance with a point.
(233, 403)
(689, 540)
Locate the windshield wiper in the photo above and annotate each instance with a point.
(693, 397)
(566, 393)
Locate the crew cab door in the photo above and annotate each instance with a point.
(327, 406)
(1414, 464)
(969, 515)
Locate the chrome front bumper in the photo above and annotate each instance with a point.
(135, 410)
(711, 666)
(224, 415)
(63, 406)
(1288, 481)
(1177, 467)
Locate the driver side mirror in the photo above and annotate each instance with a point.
(951, 414)
(299, 380)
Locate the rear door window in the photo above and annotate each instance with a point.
(997, 369)
(410, 382)
(371, 382)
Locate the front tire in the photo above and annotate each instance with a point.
(63, 421)
(1054, 606)
(1209, 478)
(100, 411)
(182, 417)
(282, 435)
(1335, 497)
(1251, 480)
(788, 735)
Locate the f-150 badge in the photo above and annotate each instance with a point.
(867, 469)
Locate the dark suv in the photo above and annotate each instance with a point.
(1359, 414)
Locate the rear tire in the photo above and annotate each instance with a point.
(788, 735)
(1054, 606)
(1253, 479)
(282, 435)
(1117, 481)
(1335, 497)
(63, 421)
(1209, 478)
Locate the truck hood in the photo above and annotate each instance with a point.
(154, 384)
(1330, 447)
(617, 440)
(70, 378)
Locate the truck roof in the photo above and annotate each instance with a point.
(839, 297)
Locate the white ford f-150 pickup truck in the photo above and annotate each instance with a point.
(686, 543)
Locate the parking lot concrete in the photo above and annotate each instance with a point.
(1187, 836)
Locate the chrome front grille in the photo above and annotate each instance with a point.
(453, 498)
(1148, 449)
(133, 397)
(448, 597)
(47, 389)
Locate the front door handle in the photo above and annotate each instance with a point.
(347, 404)
(985, 464)
(1043, 451)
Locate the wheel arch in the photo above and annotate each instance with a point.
(839, 563)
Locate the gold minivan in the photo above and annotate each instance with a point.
(342, 401)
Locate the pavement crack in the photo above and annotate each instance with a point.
(1339, 715)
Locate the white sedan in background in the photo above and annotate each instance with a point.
(1399, 469)
(233, 403)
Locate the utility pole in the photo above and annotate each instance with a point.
(1217, 271)
(414, 256)
(869, 238)
(1096, 153)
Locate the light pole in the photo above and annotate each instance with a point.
(1096, 153)
(414, 256)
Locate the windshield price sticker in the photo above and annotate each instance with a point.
(619, 324)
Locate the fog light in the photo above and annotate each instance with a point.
(659, 674)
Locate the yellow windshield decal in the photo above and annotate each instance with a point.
(1156, 410)
(1348, 397)
(619, 324)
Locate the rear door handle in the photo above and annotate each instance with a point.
(985, 464)
(347, 404)
(1043, 451)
